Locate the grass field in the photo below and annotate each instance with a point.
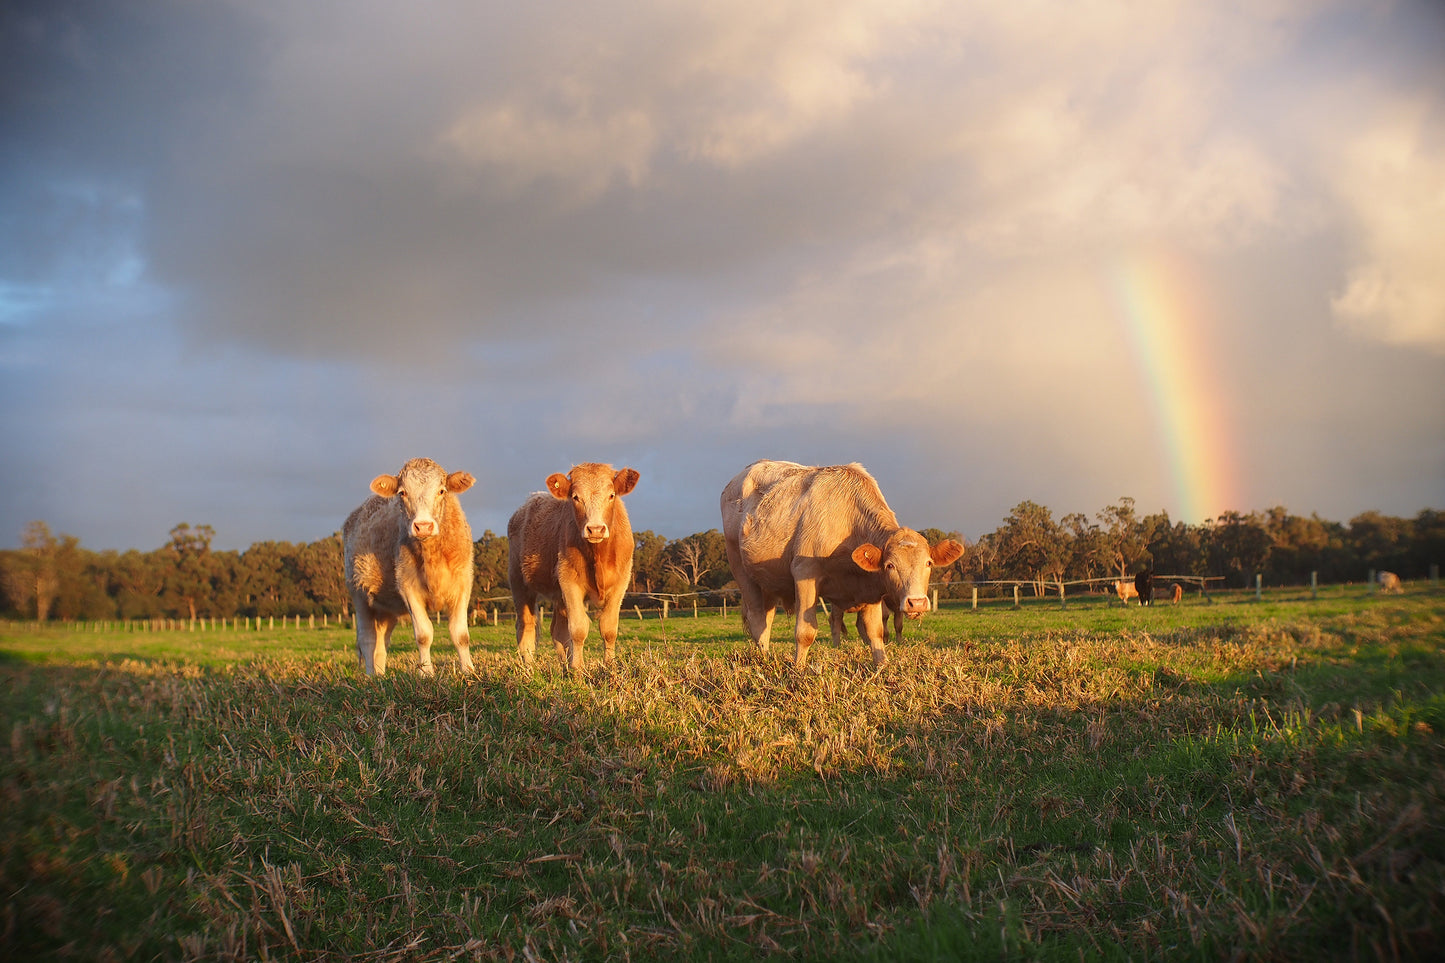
(1236, 780)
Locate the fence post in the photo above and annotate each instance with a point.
(975, 598)
(1258, 587)
(1016, 596)
(664, 610)
(1434, 574)
(638, 609)
(935, 600)
(1314, 585)
(1062, 603)
(694, 608)
(725, 606)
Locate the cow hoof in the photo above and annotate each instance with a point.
(427, 670)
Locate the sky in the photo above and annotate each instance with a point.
(254, 254)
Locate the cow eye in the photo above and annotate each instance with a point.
(401, 492)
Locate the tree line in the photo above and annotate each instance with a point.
(53, 577)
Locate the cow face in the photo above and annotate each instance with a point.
(593, 490)
(905, 563)
(419, 492)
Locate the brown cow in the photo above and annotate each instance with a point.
(1125, 590)
(571, 544)
(1390, 582)
(796, 534)
(1175, 594)
(408, 551)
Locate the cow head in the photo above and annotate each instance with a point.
(420, 492)
(905, 563)
(594, 490)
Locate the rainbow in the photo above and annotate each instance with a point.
(1164, 312)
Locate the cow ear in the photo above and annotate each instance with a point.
(625, 480)
(459, 481)
(559, 485)
(385, 485)
(868, 557)
(945, 552)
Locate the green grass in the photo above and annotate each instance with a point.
(1261, 780)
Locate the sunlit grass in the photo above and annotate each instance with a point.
(1253, 778)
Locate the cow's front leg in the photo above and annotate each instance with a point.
(607, 621)
(422, 628)
(577, 625)
(457, 628)
(870, 627)
(806, 628)
(559, 631)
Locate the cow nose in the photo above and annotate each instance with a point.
(915, 605)
(596, 533)
(423, 529)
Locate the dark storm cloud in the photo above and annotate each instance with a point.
(283, 247)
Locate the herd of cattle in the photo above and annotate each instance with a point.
(796, 535)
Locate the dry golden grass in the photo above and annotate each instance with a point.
(1193, 785)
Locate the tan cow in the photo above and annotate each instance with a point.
(408, 551)
(571, 544)
(796, 534)
(1390, 582)
(1126, 590)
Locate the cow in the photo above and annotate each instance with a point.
(570, 544)
(1126, 591)
(1175, 594)
(796, 534)
(408, 552)
(1390, 582)
(1144, 587)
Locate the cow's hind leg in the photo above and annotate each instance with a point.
(526, 628)
(806, 628)
(366, 638)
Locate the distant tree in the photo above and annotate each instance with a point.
(649, 561)
(1030, 545)
(693, 558)
(1174, 549)
(33, 577)
(188, 582)
(1380, 541)
(1238, 546)
(1089, 551)
(321, 568)
(489, 565)
(1124, 537)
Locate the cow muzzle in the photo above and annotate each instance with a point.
(595, 533)
(423, 529)
(915, 605)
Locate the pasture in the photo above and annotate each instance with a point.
(1257, 780)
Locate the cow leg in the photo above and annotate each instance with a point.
(608, 619)
(457, 629)
(806, 629)
(870, 627)
(577, 625)
(365, 636)
(526, 628)
(837, 624)
(559, 631)
(897, 626)
(757, 613)
(384, 624)
(422, 628)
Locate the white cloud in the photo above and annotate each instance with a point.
(1393, 180)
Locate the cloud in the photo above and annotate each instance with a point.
(1393, 180)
